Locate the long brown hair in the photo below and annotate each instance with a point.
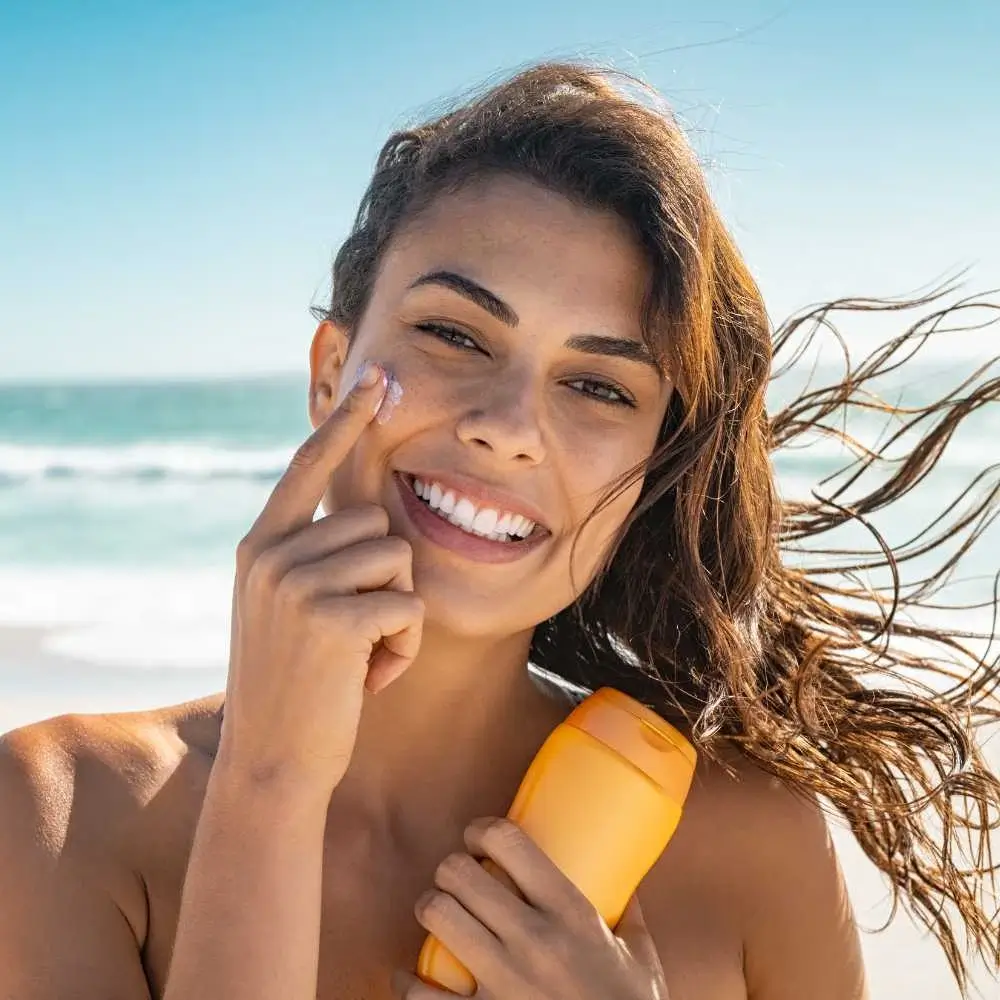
(709, 609)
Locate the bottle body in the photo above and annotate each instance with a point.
(602, 799)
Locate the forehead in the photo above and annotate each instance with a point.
(530, 246)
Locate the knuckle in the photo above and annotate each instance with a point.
(246, 553)
(307, 455)
(456, 867)
(264, 571)
(348, 406)
(292, 587)
(336, 613)
(502, 835)
(377, 517)
(437, 905)
(349, 402)
(398, 548)
(352, 622)
(370, 516)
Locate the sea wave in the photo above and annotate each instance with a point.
(179, 619)
(154, 461)
(143, 461)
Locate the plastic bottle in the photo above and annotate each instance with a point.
(602, 798)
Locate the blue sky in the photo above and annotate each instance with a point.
(175, 177)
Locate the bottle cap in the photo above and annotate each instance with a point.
(637, 733)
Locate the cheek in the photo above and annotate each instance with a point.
(423, 393)
(423, 402)
(597, 534)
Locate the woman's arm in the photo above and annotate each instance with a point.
(62, 932)
(250, 911)
(323, 610)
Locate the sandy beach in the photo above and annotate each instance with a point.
(34, 684)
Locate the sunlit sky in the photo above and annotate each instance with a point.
(175, 177)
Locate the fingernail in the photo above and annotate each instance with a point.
(393, 394)
(368, 375)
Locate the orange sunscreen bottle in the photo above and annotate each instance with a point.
(602, 798)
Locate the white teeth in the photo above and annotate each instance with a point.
(485, 522)
(521, 526)
(463, 513)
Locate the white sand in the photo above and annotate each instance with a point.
(902, 962)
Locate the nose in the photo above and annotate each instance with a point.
(504, 419)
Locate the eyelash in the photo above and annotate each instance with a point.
(450, 335)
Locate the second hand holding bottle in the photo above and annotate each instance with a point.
(602, 798)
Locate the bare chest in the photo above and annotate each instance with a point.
(368, 930)
(368, 927)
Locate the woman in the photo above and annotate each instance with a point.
(570, 465)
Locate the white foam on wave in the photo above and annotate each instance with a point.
(180, 459)
(180, 619)
(148, 619)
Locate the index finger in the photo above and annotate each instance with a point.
(535, 876)
(294, 499)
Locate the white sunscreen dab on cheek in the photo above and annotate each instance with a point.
(393, 394)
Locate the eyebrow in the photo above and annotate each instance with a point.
(587, 343)
(473, 291)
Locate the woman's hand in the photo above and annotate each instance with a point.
(549, 945)
(321, 610)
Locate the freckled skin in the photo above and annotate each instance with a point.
(506, 413)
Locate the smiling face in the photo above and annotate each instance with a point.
(511, 318)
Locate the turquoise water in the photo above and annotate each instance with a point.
(139, 474)
(121, 505)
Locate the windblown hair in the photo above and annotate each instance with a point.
(710, 608)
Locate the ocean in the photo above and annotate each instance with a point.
(121, 505)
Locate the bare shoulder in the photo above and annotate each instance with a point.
(84, 771)
(76, 796)
(749, 806)
(762, 855)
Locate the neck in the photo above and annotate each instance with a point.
(451, 738)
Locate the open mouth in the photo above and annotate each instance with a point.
(494, 525)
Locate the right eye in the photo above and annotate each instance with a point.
(450, 335)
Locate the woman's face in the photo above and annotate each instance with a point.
(511, 319)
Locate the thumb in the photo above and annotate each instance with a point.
(633, 933)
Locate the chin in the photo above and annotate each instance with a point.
(470, 610)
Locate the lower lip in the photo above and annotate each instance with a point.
(448, 536)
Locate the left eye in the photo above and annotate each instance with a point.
(606, 392)
(450, 335)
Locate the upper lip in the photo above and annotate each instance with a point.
(483, 494)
